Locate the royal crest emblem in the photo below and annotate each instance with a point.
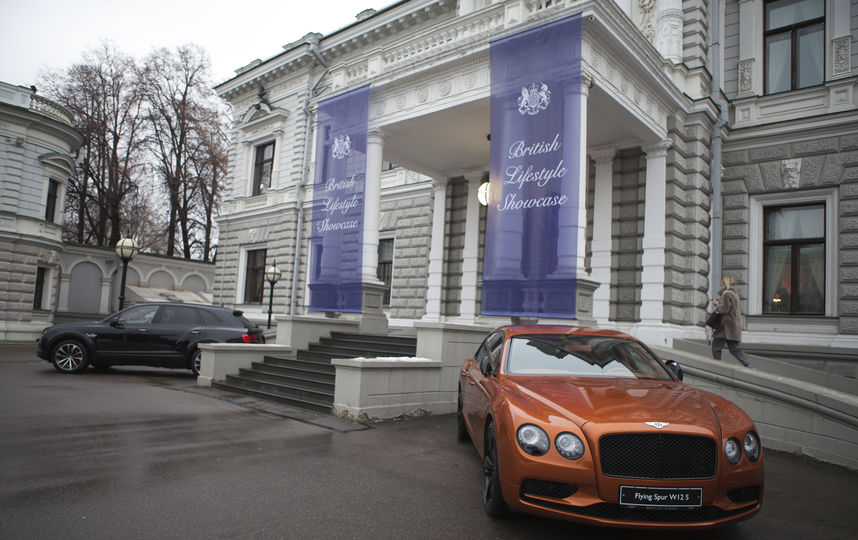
(657, 425)
(342, 147)
(534, 99)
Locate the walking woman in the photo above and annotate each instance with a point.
(731, 323)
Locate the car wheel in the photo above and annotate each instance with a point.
(196, 359)
(492, 497)
(70, 356)
(461, 428)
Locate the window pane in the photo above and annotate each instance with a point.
(788, 12)
(385, 250)
(777, 282)
(795, 222)
(254, 277)
(810, 55)
(268, 152)
(778, 61)
(811, 280)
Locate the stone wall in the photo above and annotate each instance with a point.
(828, 162)
(687, 233)
(627, 233)
(408, 220)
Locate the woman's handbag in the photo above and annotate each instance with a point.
(713, 321)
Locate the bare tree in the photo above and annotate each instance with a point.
(104, 95)
(177, 90)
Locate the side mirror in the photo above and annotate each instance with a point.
(116, 323)
(675, 368)
(485, 366)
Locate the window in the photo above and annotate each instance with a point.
(38, 294)
(794, 259)
(262, 168)
(384, 271)
(178, 316)
(51, 203)
(254, 277)
(794, 44)
(138, 315)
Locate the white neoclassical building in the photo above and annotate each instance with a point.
(721, 138)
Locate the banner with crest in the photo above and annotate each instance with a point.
(338, 202)
(529, 268)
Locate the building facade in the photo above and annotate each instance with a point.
(42, 279)
(37, 147)
(721, 139)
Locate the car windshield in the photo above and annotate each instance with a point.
(565, 355)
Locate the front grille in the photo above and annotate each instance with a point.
(658, 456)
(544, 488)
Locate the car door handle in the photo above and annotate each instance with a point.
(143, 330)
(195, 331)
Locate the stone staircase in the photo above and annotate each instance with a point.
(306, 379)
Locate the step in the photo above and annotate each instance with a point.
(291, 381)
(302, 403)
(394, 348)
(296, 370)
(356, 352)
(400, 340)
(312, 364)
(291, 391)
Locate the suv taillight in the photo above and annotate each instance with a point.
(250, 338)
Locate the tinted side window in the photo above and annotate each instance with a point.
(495, 343)
(209, 319)
(138, 315)
(179, 315)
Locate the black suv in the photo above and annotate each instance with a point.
(152, 334)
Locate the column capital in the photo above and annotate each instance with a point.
(658, 149)
(376, 136)
(603, 155)
(440, 183)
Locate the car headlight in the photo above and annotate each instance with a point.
(569, 446)
(752, 446)
(532, 439)
(733, 450)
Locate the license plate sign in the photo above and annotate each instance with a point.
(661, 497)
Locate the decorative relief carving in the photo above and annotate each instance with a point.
(746, 76)
(791, 172)
(647, 7)
(840, 50)
(445, 88)
(670, 36)
(400, 102)
(422, 95)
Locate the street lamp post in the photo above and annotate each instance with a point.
(272, 274)
(126, 248)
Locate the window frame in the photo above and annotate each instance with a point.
(384, 269)
(793, 30)
(258, 164)
(51, 200)
(42, 274)
(245, 277)
(757, 204)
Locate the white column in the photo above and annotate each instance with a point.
(668, 29)
(436, 251)
(652, 276)
(372, 206)
(602, 233)
(468, 299)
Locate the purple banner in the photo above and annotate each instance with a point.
(532, 222)
(338, 202)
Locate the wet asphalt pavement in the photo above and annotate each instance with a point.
(145, 453)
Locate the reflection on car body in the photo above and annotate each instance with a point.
(590, 426)
(153, 334)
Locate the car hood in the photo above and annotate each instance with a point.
(584, 400)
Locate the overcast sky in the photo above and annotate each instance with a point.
(39, 34)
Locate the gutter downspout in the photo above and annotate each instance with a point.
(715, 256)
(305, 165)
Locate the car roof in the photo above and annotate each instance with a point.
(187, 304)
(530, 329)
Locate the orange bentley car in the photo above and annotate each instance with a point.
(590, 426)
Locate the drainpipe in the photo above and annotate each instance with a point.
(305, 165)
(715, 258)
